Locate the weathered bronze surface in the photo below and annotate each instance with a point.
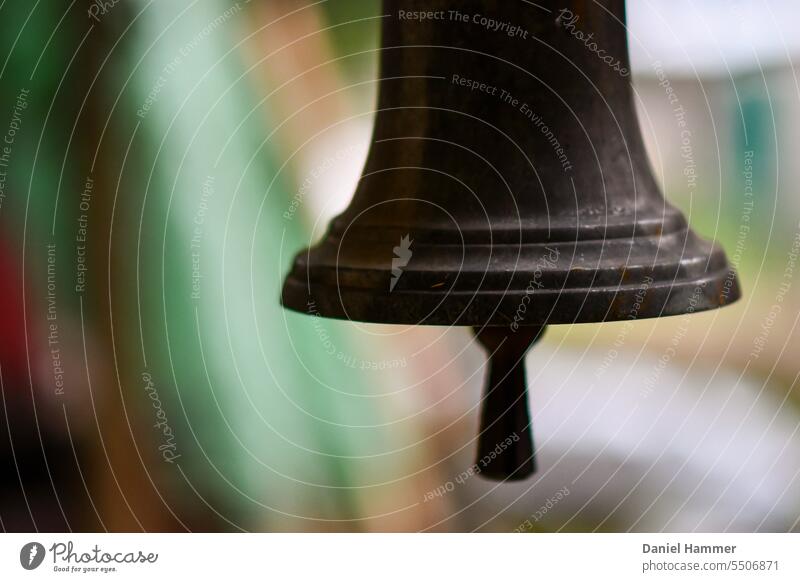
(510, 157)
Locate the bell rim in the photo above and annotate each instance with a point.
(659, 298)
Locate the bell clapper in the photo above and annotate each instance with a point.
(505, 442)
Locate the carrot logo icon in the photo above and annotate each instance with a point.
(31, 555)
(402, 254)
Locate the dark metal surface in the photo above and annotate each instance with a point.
(515, 166)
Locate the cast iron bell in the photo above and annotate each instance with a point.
(507, 188)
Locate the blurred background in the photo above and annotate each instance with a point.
(161, 164)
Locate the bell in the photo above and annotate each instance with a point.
(507, 188)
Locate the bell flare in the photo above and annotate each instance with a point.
(536, 283)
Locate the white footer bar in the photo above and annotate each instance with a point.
(354, 557)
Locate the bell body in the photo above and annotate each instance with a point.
(507, 182)
(507, 188)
